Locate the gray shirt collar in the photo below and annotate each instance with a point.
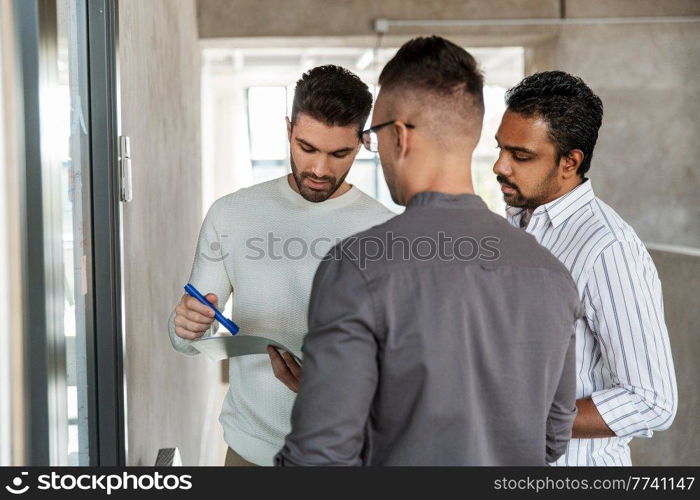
(443, 200)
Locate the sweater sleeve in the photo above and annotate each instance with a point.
(208, 275)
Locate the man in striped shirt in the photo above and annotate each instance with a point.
(625, 380)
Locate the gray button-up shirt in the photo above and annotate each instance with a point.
(441, 337)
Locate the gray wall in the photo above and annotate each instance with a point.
(645, 164)
(172, 400)
(242, 18)
(12, 400)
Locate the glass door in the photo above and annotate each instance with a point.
(66, 225)
(70, 233)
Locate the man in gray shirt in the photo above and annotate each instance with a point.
(443, 336)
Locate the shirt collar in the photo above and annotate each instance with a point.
(436, 199)
(565, 206)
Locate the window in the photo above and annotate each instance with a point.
(269, 150)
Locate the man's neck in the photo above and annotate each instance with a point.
(452, 179)
(344, 188)
(562, 192)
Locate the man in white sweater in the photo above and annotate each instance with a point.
(263, 244)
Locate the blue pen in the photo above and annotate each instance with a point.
(230, 325)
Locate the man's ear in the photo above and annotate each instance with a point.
(570, 162)
(289, 129)
(401, 139)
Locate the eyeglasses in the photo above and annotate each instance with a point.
(369, 136)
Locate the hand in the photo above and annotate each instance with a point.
(192, 318)
(285, 367)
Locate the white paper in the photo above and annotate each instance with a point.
(222, 347)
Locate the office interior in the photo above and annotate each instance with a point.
(121, 121)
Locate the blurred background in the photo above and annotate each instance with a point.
(121, 121)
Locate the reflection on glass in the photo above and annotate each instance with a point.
(68, 130)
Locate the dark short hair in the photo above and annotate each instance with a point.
(435, 65)
(572, 111)
(332, 95)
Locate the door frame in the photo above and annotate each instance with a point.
(108, 291)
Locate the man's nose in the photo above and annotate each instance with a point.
(320, 166)
(501, 167)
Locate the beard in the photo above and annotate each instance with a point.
(541, 192)
(315, 195)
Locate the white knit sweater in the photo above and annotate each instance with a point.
(263, 244)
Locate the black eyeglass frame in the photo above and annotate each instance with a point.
(366, 135)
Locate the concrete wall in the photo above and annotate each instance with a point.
(12, 404)
(228, 18)
(680, 445)
(244, 18)
(645, 163)
(172, 400)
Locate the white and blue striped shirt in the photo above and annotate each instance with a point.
(623, 356)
